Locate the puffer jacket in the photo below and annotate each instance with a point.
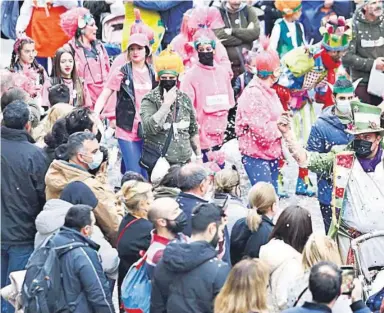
(108, 215)
(52, 218)
(187, 279)
(328, 131)
(285, 267)
(366, 46)
(86, 287)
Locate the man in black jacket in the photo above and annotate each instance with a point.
(23, 168)
(190, 275)
(84, 282)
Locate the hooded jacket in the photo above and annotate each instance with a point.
(366, 46)
(52, 218)
(328, 131)
(23, 166)
(86, 287)
(166, 192)
(242, 36)
(187, 279)
(108, 215)
(285, 267)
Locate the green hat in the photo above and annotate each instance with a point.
(366, 119)
(343, 85)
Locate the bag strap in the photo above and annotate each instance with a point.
(170, 134)
(299, 297)
(124, 229)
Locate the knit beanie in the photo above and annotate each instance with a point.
(79, 193)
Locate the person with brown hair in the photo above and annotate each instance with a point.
(283, 253)
(251, 232)
(135, 229)
(245, 289)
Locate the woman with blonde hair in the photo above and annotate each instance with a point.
(251, 232)
(134, 234)
(227, 186)
(318, 248)
(245, 290)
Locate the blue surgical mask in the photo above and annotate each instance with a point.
(97, 158)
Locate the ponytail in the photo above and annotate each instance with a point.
(253, 220)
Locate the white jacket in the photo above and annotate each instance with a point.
(285, 267)
(52, 218)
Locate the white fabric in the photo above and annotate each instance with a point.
(12, 292)
(375, 84)
(160, 170)
(275, 35)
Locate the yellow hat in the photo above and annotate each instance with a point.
(168, 62)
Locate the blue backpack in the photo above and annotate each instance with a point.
(9, 16)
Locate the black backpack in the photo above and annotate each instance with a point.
(42, 290)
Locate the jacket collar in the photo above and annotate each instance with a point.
(79, 237)
(317, 307)
(267, 220)
(16, 134)
(191, 196)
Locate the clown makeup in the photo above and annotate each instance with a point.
(27, 53)
(66, 65)
(136, 53)
(374, 8)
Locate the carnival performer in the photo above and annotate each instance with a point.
(91, 58)
(132, 82)
(167, 107)
(288, 32)
(208, 85)
(356, 168)
(194, 19)
(330, 130)
(40, 20)
(259, 109)
(148, 17)
(64, 72)
(23, 62)
(311, 67)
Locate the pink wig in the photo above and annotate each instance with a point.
(69, 20)
(205, 17)
(140, 28)
(267, 60)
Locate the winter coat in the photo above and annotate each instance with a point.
(156, 121)
(271, 14)
(235, 211)
(171, 13)
(108, 214)
(328, 131)
(242, 36)
(187, 279)
(133, 240)
(241, 82)
(311, 307)
(23, 167)
(366, 46)
(258, 111)
(166, 192)
(84, 281)
(211, 93)
(244, 242)
(285, 267)
(320, 13)
(52, 218)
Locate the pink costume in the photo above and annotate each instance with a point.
(258, 111)
(210, 91)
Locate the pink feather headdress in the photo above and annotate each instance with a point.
(205, 17)
(19, 41)
(69, 21)
(139, 27)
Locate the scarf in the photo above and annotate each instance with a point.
(369, 165)
(330, 66)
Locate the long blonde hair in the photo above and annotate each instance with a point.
(226, 180)
(132, 193)
(318, 248)
(245, 289)
(261, 198)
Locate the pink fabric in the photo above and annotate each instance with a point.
(109, 111)
(143, 84)
(94, 72)
(189, 54)
(258, 111)
(201, 83)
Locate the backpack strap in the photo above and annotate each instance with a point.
(124, 229)
(299, 297)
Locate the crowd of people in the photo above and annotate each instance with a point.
(158, 90)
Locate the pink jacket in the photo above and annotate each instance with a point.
(258, 111)
(211, 93)
(189, 54)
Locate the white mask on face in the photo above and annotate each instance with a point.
(343, 106)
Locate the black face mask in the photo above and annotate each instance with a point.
(168, 84)
(362, 148)
(206, 58)
(215, 240)
(98, 136)
(178, 224)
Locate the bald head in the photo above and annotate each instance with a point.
(166, 208)
(191, 176)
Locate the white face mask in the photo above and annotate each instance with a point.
(209, 195)
(97, 158)
(343, 106)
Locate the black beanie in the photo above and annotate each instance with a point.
(79, 193)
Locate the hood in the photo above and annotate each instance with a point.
(360, 16)
(184, 257)
(276, 252)
(52, 217)
(61, 173)
(257, 85)
(67, 235)
(163, 192)
(330, 117)
(224, 7)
